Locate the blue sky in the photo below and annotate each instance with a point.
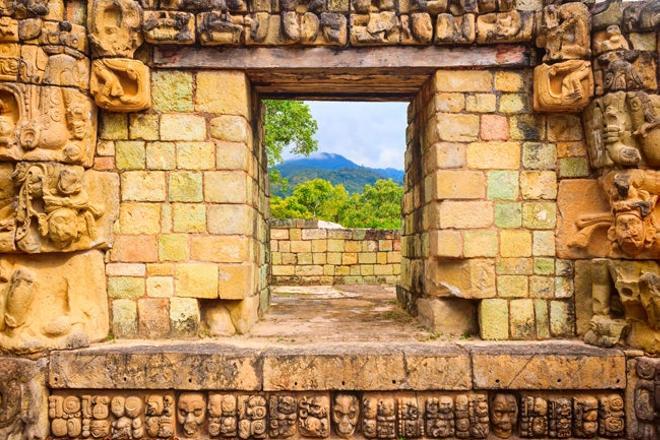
(372, 134)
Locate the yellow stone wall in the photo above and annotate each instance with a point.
(191, 222)
(302, 252)
(480, 207)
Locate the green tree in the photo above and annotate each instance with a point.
(314, 199)
(288, 124)
(379, 207)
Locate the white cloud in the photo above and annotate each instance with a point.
(372, 134)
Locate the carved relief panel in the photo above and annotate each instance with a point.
(23, 398)
(169, 27)
(41, 123)
(49, 302)
(121, 84)
(566, 86)
(51, 207)
(114, 27)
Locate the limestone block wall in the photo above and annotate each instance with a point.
(480, 207)
(302, 252)
(189, 241)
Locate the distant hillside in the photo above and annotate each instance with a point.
(336, 169)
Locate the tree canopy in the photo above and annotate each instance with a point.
(288, 124)
(378, 206)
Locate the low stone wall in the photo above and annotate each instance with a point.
(303, 252)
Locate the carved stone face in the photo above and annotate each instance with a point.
(78, 122)
(504, 414)
(630, 233)
(446, 404)
(155, 405)
(191, 413)
(345, 413)
(117, 406)
(63, 227)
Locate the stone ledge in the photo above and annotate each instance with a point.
(248, 365)
(550, 365)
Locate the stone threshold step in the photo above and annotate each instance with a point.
(250, 366)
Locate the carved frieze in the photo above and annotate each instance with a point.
(565, 32)
(505, 27)
(40, 123)
(625, 70)
(281, 415)
(221, 28)
(563, 87)
(169, 27)
(121, 84)
(52, 302)
(51, 207)
(451, 29)
(114, 27)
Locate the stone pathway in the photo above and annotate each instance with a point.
(309, 314)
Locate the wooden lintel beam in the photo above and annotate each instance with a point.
(405, 58)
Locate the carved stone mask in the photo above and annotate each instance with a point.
(345, 413)
(191, 412)
(630, 233)
(504, 414)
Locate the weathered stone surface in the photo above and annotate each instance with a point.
(367, 367)
(51, 302)
(23, 399)
(183, 366)
(551, 365)
(448, 316)
(121, 84)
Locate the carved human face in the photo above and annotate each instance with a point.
(63, 227)
(446, 404)
(191, 413)
(345, 413)
(155, 405)
(117, 406)
(504, 414)
(630, 234)
(34, 184)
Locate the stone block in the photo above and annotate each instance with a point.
(465, 215)
(539, 156)
(446, 155)
(182, 127)
(538, 185)
(459, 184)
(182, 366)
(508, 215)
(130, 155)
(229, 128)
(144, 126)
(512, 286)
(503, 185)
(539, 215)
(172, 91)
(196, 280)
(494, 155)
(448, 316)
(225, 187)
(113, 126)
(223, 92)
(236, 281)
(515, 266)
(463, 81)
(217, 320)
(153, 317)
(173, 247)
(449, 102)
(562, 319)
(543, 243)
(482, 103)
(134, 249)
(573, 167)
(220, 248)
(188, 217)
(553, 365)
(160, 286)
(232, 156)
(522, 320)
(480, 243)
(469, 279)
(494, 319)
(124, 318)
(195, 155)
(184, 316)
(509, 81)
(185, 186)
(229, 219)
(515, 243)
(494, 128)
(454, 128)
(125, 287)
(143, 186)
(244, 313)
(139, 218)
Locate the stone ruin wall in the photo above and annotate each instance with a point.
(306, 253)
(133, 204)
